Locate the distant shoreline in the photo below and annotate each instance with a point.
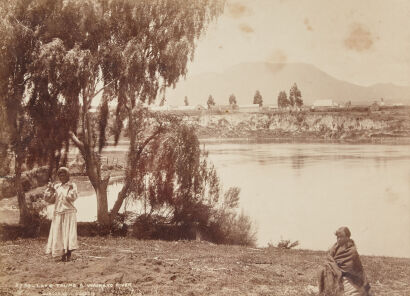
(380, 127)
(307, 140)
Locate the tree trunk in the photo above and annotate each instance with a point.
(102, 204)
(119, 201)
(50, 166)
(21, 197)
(64, 161)
(100, 187)
(93, 165)
(129, 172)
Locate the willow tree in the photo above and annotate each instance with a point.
(37, 121)
(151, 43)
(175, 185)
(58, 55)
(174, 182)
(16, 47)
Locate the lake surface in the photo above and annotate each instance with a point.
(304, 192)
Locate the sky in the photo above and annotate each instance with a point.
(362, 42)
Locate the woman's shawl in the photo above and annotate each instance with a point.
(342, 261)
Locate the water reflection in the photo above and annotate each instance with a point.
(297, 161)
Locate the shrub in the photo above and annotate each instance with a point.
(144, 227)
(236, 230)
(286, 244)
(36, 223)
(119, 227)
(227, 227)
(92, 229)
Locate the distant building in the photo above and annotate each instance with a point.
(325, 103)
(200, 107)
(248, 108)
(189, 108)
(223, 108)
(183, 108)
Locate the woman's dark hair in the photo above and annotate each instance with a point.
(345, 230)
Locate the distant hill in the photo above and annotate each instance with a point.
(244, 79)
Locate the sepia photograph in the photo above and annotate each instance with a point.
(205, 147)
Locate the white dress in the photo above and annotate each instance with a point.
(63, 230)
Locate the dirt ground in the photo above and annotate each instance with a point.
(125, 266)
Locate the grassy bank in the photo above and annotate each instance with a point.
(177, 268)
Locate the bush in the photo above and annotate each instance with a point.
(119, 227)
(144, 227)
(286, 244)
(37, 225)
(155, 227)
(232, 229)
(92, 229)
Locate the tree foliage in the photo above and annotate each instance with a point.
(232, 100)
(295, 96)
(152, 58)
(62, 53)
(210, 102)
(283, 101)
(176, 185)
(257, 98)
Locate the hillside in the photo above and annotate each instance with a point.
(136, 267)
(244, 79)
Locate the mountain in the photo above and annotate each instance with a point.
(244, 79)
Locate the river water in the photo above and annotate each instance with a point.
(304, 192)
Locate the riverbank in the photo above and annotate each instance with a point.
(177, 268)
(352, 127)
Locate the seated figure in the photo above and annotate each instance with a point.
(343, 274)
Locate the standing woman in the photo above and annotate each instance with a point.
(62, 239)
